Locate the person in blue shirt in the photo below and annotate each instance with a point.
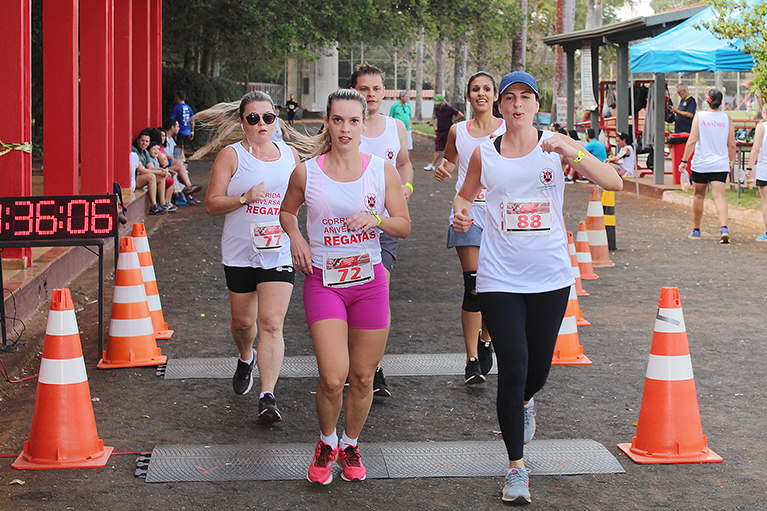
(185, 116)
(594, 146)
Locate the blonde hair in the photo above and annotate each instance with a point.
(309, 147)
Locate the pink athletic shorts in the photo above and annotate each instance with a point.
(364, 307)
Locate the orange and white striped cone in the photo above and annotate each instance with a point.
(568, 350)
(576, 269)
(63, 433)
(669, 428)
(131, 335)
(595, 227)
(579, 319)
(150, 282)
(583, 253)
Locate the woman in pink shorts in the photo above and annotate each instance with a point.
(345, 294)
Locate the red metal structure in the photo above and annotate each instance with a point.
(102, 65)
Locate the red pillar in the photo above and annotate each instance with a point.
(156, 52)
(61, 97)
(16, 98)
(123, 85)
(97, 100)
(142, 75)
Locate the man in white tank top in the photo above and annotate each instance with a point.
(386, 138)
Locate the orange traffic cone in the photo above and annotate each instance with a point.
(579, 320)
(576, 269)
(595, 227)
(583, 252)
(150, 282)
(63, 425)
(568, 350)
(131, 336)
(669, 428)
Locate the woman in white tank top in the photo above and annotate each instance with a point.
(247, 184)
(523, 271)
(346, 299)
(462, 139)
(759, 158)
(713, 140)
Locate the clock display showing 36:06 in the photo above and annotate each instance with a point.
(58, 217)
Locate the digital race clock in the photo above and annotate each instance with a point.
(58, 217)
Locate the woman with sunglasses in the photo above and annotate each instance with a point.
(523, 270)
(463, 138)
(346, 299)
(247, 184)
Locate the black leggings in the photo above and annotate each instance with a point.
(524, 329)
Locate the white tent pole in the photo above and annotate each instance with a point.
(634, 131)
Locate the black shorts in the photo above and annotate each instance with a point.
(441, 140)
(182, 140)
(759, 182)
(707, 177)
(241, 279)
(291, 116)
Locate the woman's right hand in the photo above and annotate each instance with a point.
(256, 193)
(441, 172)
(462, 222)
(301, 254)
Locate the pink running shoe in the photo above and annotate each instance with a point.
(320, 471)
(349, 460)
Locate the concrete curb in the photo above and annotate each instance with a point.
(743, 215)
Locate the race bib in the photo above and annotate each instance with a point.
(480, 200)
(347, 270)
(526, 217)
(266, 236)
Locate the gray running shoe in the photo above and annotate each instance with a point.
(485, 355)
(267, 409)
(529, 420)
(473, 373)
(516, 489)
(380, 388)
(242, 381)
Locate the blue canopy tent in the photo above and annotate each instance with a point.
(686, 49)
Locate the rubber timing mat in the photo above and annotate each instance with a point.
(445, 364)
(173, 463)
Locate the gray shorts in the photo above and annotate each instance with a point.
(470, 238)
(389, 246)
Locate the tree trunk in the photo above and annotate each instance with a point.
(439, 66)
(419, 78)
(409, 76)
(594, 14)
(565, 24)
(459, 74)
(519, 45)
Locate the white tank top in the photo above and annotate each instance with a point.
(523, 264)
(761, 162)
(711, 153)
(386, 145)
(236, 244)
(329, 203)
(277, 133)
(465, 144)
(628, 160)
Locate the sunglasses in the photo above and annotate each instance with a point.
(253, 118)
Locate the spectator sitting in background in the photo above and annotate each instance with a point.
(625, 161)
(154, 165)
(594, 146)
(141, 177)
(176, 165)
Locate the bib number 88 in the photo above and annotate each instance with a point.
(525, 222)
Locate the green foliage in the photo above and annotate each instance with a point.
(200, 92)
(226, 90)
(745, 20)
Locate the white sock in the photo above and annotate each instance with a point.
(263, 394)
(252, 355)
(346, 441)
(332, 440)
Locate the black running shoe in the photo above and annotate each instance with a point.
(485, 355)
(380, 388)
(267, 409)
(242, 381)
(473, 373)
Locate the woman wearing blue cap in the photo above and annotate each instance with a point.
(523, 273)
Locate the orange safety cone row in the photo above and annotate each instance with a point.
(579, 319)
(583, 253)
(595, 227)
(669, 428)
(131, 335)
(150, 282)
(63, 433)
(568, 350)
(576, 269)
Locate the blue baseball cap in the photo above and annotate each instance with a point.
(518, 77)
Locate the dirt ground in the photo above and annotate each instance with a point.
(723, 293)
